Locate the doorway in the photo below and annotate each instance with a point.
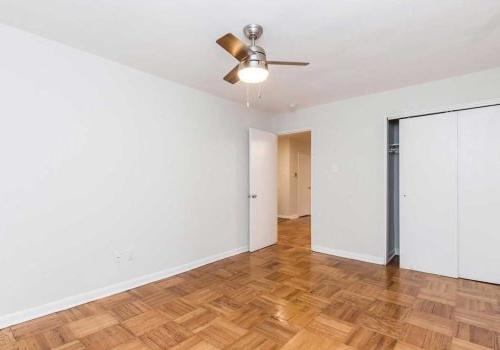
(294, 189)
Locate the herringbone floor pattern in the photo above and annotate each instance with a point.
(283, 297)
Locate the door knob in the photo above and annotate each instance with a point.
(252, 196)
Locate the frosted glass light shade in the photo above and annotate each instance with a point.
(253, 72)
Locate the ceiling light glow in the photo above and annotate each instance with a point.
(253, 72)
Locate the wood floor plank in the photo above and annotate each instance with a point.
(33, 342)
(425, 338)
(194, 343)
(91, 324)
(331, 328)
(222, 333)
(134, 344)
(277, 331)
(38, 325)
(60, 336)
(197, 320)
(365, 339)
(74, 345)
(7, 340)
(145, 322)
(307, 340)
(106, 338)
(166, 335)
(253, 340)
(460, 344)
(476, 335)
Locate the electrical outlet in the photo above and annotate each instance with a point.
(123, 256)
(128, 255)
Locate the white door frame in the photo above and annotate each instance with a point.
(297, 131)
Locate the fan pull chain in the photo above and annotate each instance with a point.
(259, 93)
(248, 100)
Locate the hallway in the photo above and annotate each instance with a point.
(295, 233)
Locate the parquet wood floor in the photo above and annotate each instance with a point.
(281, 297)
(295, 233)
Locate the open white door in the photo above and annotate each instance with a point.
(263, 195)
(304, 185)
(479, 193)
(428, 187)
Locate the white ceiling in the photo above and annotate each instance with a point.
(355, 47)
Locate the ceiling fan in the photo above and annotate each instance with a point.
(253, 63)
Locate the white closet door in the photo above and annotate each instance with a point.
(428, 188)
(479, 194)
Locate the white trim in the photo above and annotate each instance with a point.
(480, 103)
(396, 251)
(349, 255)
(385, 185)
(75, 300)
(289, 217)
(295, 131)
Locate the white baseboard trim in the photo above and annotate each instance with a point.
(349, 255)
(75, 300)
(289, 217)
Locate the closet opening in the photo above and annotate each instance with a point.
(393, 192)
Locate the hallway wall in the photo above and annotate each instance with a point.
(289, 146)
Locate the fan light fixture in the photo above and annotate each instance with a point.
(253, 72)
(252, 66)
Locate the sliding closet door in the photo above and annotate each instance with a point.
(479, 194)
(428, 188)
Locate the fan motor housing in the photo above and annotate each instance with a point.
(253, 31)
(252, 64)
(256, 53)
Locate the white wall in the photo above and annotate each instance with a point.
(99, 158)
(284, 176)
(349, 158)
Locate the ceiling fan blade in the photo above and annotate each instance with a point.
(286, 63)
(233, 45)
(232, 76)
